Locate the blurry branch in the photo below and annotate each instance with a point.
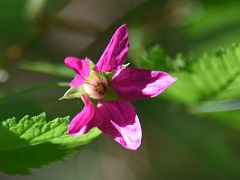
(3, 75)
(83, 27)
(47, 68)
(32, 89)
(217, 106)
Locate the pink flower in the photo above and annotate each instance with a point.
(107, 89)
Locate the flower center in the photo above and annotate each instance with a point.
(96, 87)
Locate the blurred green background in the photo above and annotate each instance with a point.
(191, 131)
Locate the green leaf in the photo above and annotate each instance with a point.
(211, 78)
(33, 142)
(156, 58)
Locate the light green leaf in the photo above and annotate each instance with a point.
(211, 78)
(156, 58)
(33, 142)
(34, 7)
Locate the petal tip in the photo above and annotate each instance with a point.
(73, 133)
(173, 79)
(134, 147)
(68, 60)
(123, 26)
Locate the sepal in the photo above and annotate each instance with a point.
(73, 92)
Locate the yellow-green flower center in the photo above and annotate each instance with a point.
(96, 87)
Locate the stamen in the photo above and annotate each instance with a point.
(96, 87)
(87, 82)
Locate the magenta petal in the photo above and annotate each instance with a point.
(81, 67)
(116, 52)
(83, 121)
(131, 83)
(119, 121)
(77, 81)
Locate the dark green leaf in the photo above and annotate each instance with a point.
(34, 142)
